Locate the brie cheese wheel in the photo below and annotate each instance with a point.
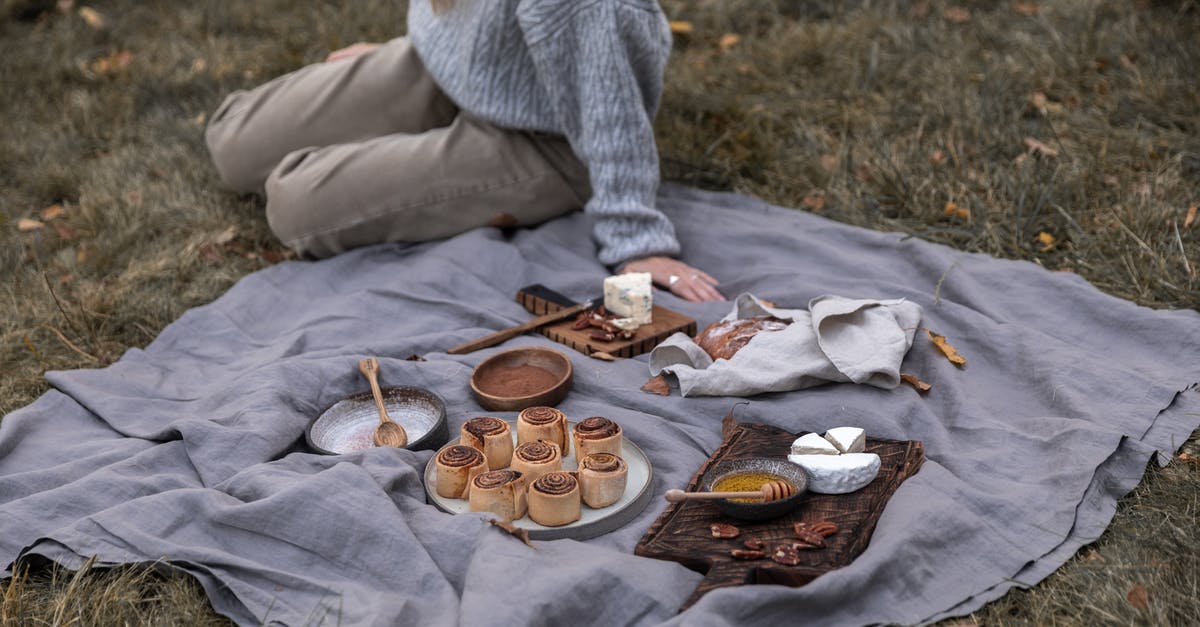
(629, 296)
(847, 439)
(838, 474)
(813, 444)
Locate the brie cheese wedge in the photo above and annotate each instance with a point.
(838, 474)
(813, 444)
(847, 439)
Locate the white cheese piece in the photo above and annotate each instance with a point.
(838, 474)
(812, 444)
(629, 296)
(847, 439)
(625, 324)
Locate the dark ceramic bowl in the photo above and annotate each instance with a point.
(781, 468)
(349, 424)
(487, 379)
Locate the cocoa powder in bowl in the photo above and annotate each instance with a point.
(522, 377)
(515, 382)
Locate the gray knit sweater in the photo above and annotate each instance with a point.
(590, 70)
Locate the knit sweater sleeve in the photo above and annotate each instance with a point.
(601, 64)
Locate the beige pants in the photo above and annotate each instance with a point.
(366, 150)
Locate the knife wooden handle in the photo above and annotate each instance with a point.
(511, 332)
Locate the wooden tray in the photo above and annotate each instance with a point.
(682, 532)
(666, 323)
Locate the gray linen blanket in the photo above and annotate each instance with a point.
(191, 451)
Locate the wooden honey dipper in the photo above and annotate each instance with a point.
(770, 491)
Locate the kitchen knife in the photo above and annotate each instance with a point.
(511, 332)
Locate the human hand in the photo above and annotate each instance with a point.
(351, 51)
(681, 279)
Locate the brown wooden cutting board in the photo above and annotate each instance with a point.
(665, 323)
(682, 532)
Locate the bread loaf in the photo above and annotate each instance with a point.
(723, 338)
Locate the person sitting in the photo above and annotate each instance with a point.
(501, 113)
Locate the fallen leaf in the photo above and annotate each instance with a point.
(513, 530)
(657, 385)
(1038, 101)
(815, 200)
(746, 68)
(957, 15)
(602, 356)
(1028, 9)
(211, 253)
(199, 64)
(1038, 147)
(949, 351)
(226, 236)
(912, 380)
(1191, 217)
(1138, 596)
(679, 27)
(52, 212)
(937, 157)
(92, 17)
(28, 224)
(729, 423)
(951, 209)
(64, 231)
(829, 162)
(1046, 240)
(919, 10)
(200, 118)
(114, 62)
(1188, 458)
(727, 41)
(865, 173)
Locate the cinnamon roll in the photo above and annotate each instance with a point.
(602, 479)
(554, 499)
(534, 459)
(490, 435)
(501, 492)
(596, 435)
(456, 466)
(543, 423)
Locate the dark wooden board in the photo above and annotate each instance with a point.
(665, 323)
(682, 532)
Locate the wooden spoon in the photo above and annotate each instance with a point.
(770, 491)
(389, 432)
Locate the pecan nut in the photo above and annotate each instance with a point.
(825, 528)
(754, 544)
(786, 554)
(747, 554)
(602, 336)
(724, 530)
(581, 322)
(809, 537)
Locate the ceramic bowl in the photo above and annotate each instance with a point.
(750, 510)
(498, 388)
(349, 424)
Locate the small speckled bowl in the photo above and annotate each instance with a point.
(781, 468)
(349, 424)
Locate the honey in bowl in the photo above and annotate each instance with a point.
(747, 482)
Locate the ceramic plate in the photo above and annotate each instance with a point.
(349, 424)
(592, 522)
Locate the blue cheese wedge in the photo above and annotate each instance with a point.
(813, 444)
(838, 474)
(629, 296)
(847, 439)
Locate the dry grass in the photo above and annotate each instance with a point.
(873, 113)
